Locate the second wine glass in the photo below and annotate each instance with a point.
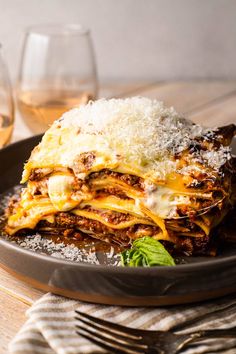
(6, 105)
(57, 73)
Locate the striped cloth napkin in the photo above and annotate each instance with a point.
(50, 327)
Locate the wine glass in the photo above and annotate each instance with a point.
(6, 105)
(57, 73)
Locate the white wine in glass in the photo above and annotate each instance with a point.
(57, 73)
(6, 106)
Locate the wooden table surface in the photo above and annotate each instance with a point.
(212, 103)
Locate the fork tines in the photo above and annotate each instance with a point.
(110, 336)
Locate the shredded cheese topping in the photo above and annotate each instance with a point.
(216, 158)
(138, 126)
(141, 129)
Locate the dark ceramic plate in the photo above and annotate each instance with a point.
(194, 279)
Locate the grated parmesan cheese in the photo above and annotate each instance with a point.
(137, 126)
(216, 158)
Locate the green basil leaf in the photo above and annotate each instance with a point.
(146, 252)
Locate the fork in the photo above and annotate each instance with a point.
(120, 339)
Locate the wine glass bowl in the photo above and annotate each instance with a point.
(6, 106)
(57, 73)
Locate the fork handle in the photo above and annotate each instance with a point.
(209, 333)
(228, 332)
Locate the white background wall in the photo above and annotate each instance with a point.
(154, 39)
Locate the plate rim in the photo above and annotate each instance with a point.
(113, 269)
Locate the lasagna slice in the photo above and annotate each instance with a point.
(121, 169)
